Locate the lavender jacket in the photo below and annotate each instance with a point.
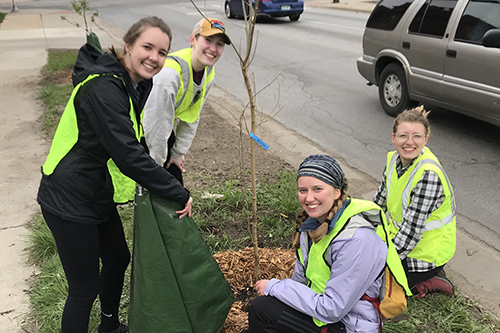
(357, 260)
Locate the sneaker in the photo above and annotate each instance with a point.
(122, 329)
(434, 284)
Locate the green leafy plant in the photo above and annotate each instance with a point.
(82, 8)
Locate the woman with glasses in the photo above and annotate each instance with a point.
(419, 201)
(179, 92)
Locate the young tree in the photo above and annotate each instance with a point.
(245, 62)
(82, 8)
(246, 58)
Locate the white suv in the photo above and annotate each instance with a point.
(441, 52)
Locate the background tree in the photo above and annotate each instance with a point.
(14, 7)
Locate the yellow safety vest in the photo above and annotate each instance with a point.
(66, 137)
(181, 62)
(438, 242)
(318, 271)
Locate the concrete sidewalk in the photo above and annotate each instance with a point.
(25, 37)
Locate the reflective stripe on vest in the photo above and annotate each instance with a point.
(185, 109)
(66, 137)
(318, 266)
(438, 241)
(435, 224)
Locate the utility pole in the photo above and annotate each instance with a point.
(14, 7)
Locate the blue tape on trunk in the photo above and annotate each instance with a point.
(259, 141)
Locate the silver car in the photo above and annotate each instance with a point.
(441, 52)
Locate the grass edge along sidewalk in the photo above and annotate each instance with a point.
(434, 313)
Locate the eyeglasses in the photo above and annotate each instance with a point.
(218, 25)
(403, 137)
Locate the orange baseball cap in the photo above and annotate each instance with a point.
(209, 27)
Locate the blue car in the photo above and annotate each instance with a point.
(269, 8)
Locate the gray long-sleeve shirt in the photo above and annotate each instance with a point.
(159, 116)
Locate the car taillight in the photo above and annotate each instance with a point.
(363, 44)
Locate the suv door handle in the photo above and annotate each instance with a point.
(406, 45)
(451, 53)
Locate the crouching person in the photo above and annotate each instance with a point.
(339, 262)
(419, 200)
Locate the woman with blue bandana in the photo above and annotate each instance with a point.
(339, 261)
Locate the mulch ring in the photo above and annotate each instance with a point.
(238, 268)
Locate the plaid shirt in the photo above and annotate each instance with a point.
(425, 197)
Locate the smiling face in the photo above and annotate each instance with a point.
(206, 50)
(316, 197)
(409, 140)
(146, 56)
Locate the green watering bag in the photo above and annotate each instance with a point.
(176, 284)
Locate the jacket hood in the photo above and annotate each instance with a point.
(90, 61)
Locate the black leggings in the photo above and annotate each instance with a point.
(269, 315)
(80, 246)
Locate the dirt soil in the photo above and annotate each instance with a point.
(215, 155)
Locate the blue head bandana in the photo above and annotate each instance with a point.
(324, 168)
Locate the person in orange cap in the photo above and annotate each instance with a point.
(179, 92)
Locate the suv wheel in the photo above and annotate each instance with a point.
(294, 17)
(227, 10)
(393, 90)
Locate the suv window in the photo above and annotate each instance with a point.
(387, 14)
(432, 19)
(479, 17)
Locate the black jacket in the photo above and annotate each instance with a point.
(80, 188)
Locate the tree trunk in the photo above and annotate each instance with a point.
(14, 7)
(253, 127)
